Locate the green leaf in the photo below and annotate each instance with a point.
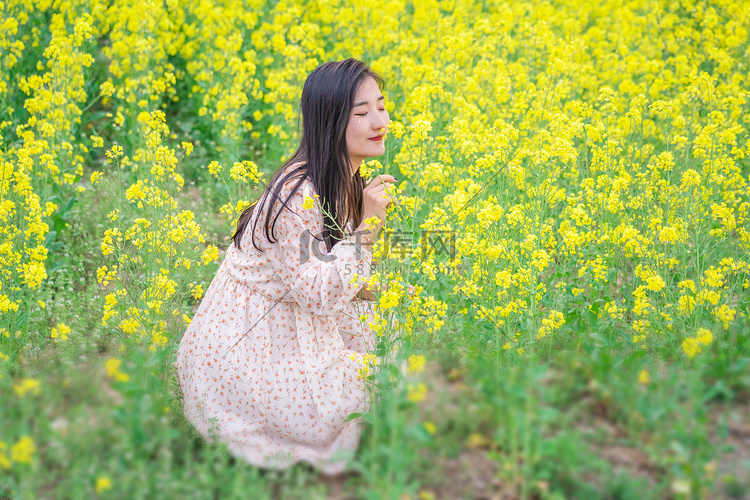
(352, 416)
(366, 416)
(720, 390)
(158, 357)
(601, 340)
(418, 433)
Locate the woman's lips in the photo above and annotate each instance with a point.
(378, 138)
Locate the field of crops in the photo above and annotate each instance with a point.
(573, 214)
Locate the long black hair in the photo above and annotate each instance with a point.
(327, 100)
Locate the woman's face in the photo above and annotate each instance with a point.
(367, 124)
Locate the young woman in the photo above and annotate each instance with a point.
(269, 365)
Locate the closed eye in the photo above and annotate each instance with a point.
(363, 114)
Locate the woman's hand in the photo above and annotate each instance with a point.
(376, 200)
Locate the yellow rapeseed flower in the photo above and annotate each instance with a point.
(691, 347)
(33, 274)
(23, 450)
(113, 370)
(416, 393)
(704, 336)
(27, 385)
(210, 254)
(415, 364)
(103, 483)
(60, 332)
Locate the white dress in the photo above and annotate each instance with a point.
(269, 365)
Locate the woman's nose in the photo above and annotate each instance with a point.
(381, 122)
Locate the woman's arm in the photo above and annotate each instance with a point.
(321, 283)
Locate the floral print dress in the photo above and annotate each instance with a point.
(270, 363)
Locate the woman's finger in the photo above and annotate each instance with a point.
(380, 179)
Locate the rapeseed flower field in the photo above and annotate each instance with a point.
(564, 274)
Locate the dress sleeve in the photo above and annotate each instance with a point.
(321, 283)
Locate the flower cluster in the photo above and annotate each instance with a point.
(152, 246)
